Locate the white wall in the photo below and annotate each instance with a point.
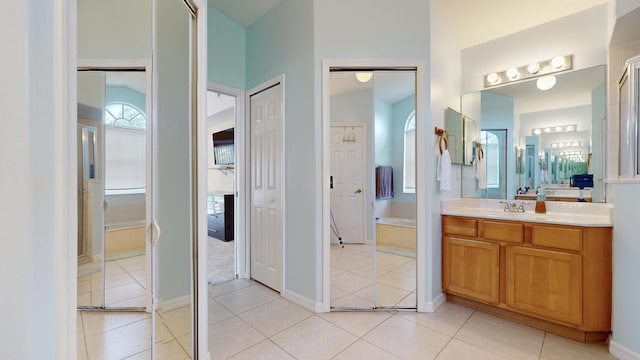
(445, 80)
(114, 29)
(584, 35)
(29, 155)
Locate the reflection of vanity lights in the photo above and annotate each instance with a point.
(534, 69)
(566, 144)
(555, 129)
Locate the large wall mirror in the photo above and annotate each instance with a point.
(552, 137)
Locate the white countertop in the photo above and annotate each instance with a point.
(558, 212)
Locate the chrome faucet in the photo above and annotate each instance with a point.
(512, 206)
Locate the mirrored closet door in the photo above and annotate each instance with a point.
(114, 258)
(372, 189)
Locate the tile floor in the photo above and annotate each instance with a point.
(352, 278)
(125, 281)
(127, 335)
(250, 321)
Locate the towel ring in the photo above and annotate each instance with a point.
(446, 143)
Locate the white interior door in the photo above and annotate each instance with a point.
(266, 234)
(347, 182)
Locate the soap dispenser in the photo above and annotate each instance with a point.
(541, 208)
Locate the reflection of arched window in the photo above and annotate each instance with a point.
(125, 147)
(490, 145)
(409, 172)
(124, 115)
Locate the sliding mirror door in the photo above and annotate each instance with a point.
(395, 189)
(90, 143)
(372, 162)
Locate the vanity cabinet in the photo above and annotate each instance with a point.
(554, 277)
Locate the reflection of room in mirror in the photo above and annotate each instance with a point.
(560, 129)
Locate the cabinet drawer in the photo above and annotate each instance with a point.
(459, 226)
(557, 237)
(502, 231)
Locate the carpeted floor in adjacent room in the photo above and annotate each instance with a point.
(220, 266)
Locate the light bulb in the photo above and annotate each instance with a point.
(512, 73)
(537, 131)
(493, 78)
(558, 62)
(364, 77)
(546, 82)
(533, 68)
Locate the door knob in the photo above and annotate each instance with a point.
(357, 191)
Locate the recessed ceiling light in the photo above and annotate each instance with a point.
(537, 131)
(533, 68)
(547, 130)
(569, 128)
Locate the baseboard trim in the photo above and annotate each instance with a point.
(432, 306)
(622, 352)
(303, 301)
(173, 304)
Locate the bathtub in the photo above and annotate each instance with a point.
(397, 233)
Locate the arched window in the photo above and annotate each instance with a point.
(125, 147)
(490, 145)
(409, 171)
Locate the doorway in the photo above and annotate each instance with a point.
(371, 153)
(222, 162)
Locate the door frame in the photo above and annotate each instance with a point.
(280, 79)
(239, 215)
(365, 181)
(146, 66)
(424, 271)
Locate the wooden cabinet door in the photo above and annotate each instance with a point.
(545, 283)
(471, 268)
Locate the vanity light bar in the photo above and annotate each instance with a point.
(555, 129)
(532, 70)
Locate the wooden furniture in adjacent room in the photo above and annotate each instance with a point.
(553, 277)
(220, 216)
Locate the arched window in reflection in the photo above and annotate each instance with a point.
(490, 144)
(125, 147)
(409, 172)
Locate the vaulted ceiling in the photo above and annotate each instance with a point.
(472, 22)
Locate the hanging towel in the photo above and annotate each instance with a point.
(481, 170)
(384, 182)
(443, 171)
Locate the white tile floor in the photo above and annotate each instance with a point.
(250, 321)
(124, 280)
(352, 278)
